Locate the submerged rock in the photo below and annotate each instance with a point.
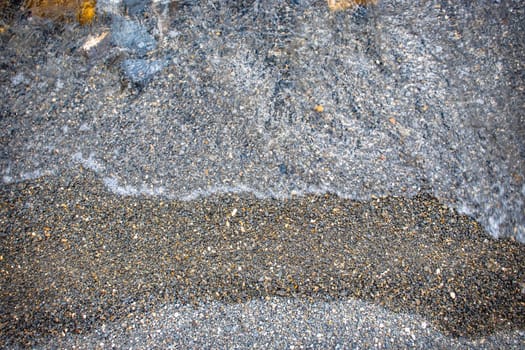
(140, 71)
(135, 7)
(132, 36)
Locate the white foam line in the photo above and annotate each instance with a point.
(26, 176)
(114, 186)
(90, 163)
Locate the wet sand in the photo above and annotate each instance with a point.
(74, 257)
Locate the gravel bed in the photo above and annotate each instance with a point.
(89, 258)
(240, 174)
(280, 323)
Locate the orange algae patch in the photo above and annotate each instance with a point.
(87, 11)
(338, 5)
(83, 11)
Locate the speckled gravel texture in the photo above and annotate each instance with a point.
(264, 174)
(76, 260)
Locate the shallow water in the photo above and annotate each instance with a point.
(415, 96)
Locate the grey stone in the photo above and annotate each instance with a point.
(135, 7)
(140, 71)
(131, 35)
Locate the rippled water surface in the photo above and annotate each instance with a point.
(278, 98)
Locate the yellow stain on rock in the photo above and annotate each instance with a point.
(338, 5)
(83, 11)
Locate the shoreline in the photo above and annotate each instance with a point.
(75, 256)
